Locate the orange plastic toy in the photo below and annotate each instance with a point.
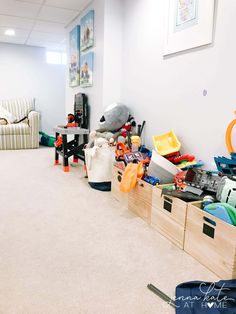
(58, 142)
(228, 136)
(132, 173)
(121, 149)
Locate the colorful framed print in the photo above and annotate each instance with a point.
(87, 31)
(86, 69)
(189, 24)
(74, 57)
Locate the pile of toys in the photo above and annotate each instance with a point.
(133, 158)
(166, 165)
(216, 190)
(117, 133)
(159, 166)
(168, 146)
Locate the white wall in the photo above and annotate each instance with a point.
(168, 93)
(95, 93)
(113, 50)
(108, 32)
(25, 73)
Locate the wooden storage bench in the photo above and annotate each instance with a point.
(211, 241)
(140, 200)
(169, 216)
(115, 187)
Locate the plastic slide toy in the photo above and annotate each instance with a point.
(166, 144)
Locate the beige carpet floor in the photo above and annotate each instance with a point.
(68, 249)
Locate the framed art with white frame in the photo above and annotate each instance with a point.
(189, 24)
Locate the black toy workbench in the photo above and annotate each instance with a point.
(70, 148)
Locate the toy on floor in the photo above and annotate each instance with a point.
(222, 211)
(47, 140)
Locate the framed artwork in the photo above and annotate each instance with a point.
(189, 24)
(87, 31)
(74, 56)
(86, 69)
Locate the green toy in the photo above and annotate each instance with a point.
(222, 211)
(47, 140)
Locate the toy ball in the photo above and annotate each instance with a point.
(115, 116)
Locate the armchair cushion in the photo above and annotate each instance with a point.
(15, 129)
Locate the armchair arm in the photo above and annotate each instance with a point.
(34, 119)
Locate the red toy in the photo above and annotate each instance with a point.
(121, 149)
(58, 142)
(179, 180)
(72, 121)
(178, 159)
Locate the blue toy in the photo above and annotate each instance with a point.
(152, 180)
(145, 151)
(222, 211)
(226, 165)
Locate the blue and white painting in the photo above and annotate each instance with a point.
(86, 69)
(87, 31)
(74, 56)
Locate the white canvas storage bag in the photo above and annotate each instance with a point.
(99, 162)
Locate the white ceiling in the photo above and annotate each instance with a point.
(38, 22)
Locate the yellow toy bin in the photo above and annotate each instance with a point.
(167, 143)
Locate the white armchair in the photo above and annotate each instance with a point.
(24, 134)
